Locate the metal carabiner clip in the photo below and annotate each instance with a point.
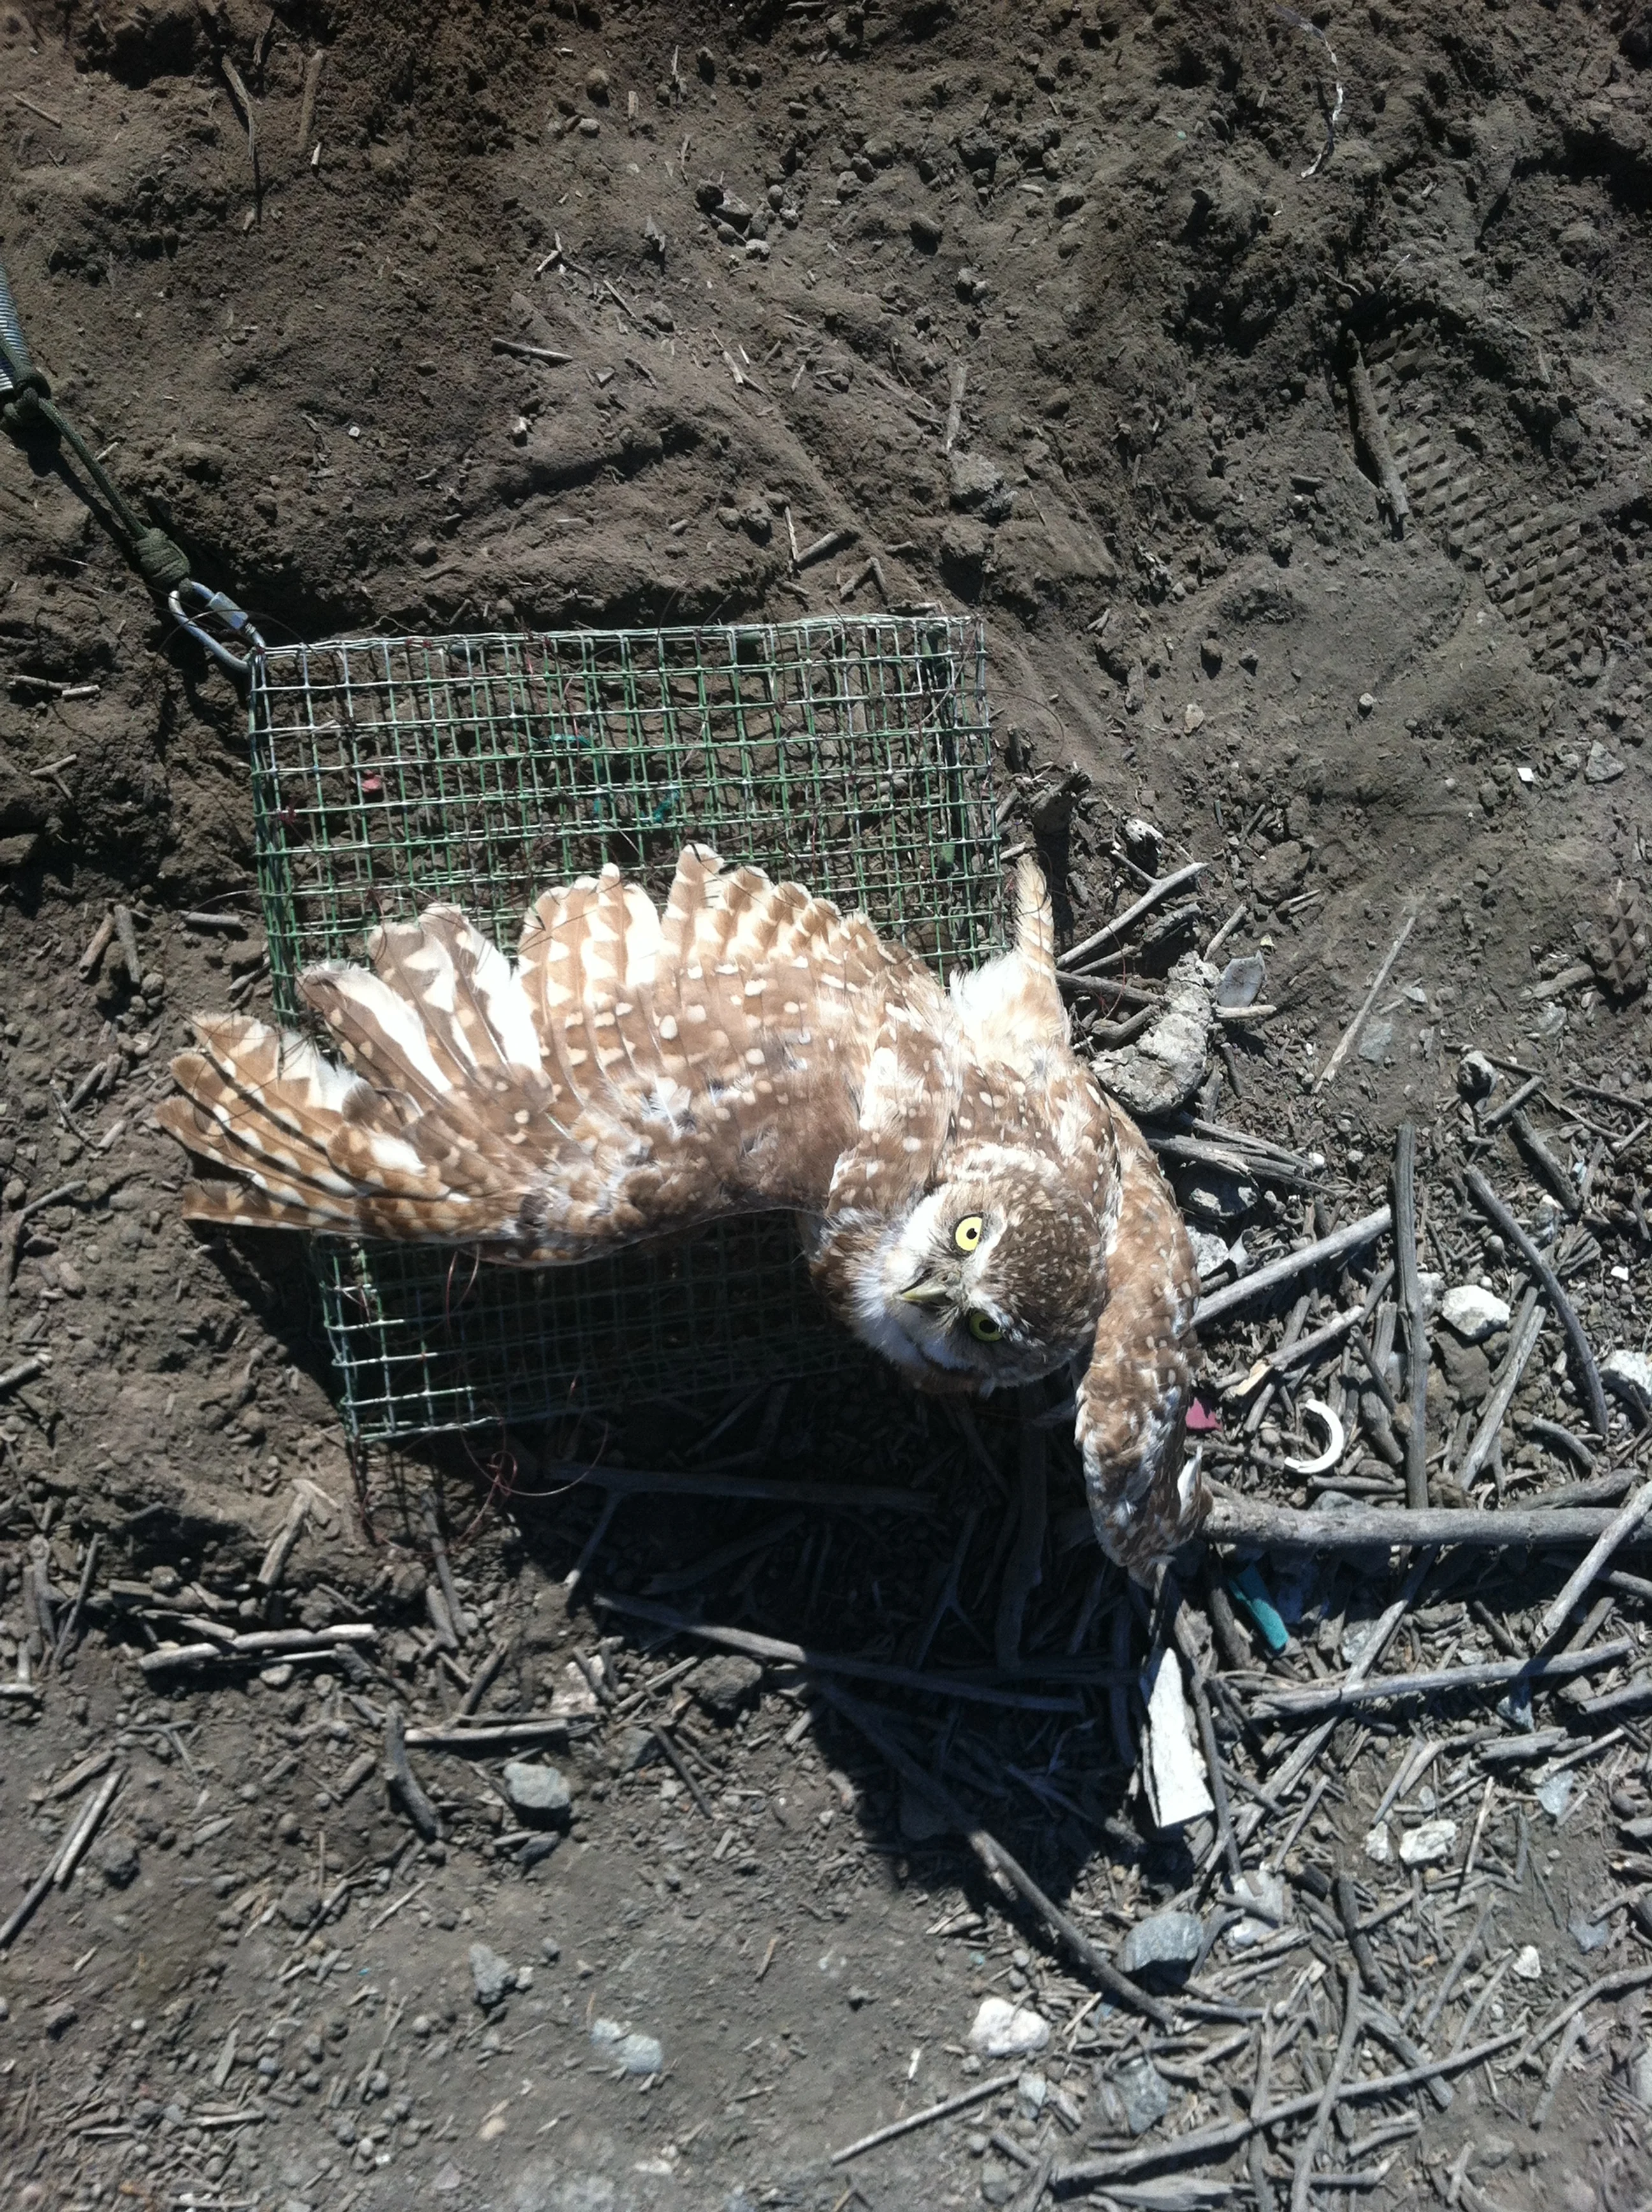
(237, 622)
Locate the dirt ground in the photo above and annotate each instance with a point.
(266, 260)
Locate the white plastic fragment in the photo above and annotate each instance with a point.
(1172, 1768)
(1335, 1439)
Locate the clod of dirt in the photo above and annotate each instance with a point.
(724, 1685)
(491, 1977)
(117, 1862)
(1160, 1073)
(538, 1793)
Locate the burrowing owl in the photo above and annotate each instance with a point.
(972, 1205)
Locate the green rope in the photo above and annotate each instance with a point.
(162, 564)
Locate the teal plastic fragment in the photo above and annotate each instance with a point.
(1252, 1593)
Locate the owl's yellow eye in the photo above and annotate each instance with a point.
(966, 1235)
(984, 1328)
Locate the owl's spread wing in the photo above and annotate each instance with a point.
(1132, 1401)
(633, 1074)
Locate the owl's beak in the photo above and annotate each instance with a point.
(933, 1293)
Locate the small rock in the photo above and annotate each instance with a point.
(492, 1977)
(117, 1861)
(1003, 2030)
(597, 85)
(1193, 717)
(1031, 2093)
(636, 2054)
(1640, 2079)
(1210, 654)
(1473, 1314)
(1210, 1253)
(1429, 1845)
(1589, 1934)
(1242, 981)
(1142, 842)
(1144, 2093)
(1601, 766)
(1476, 1077)
(1376, 1040)
(1265, 1901)
(723, 1686)
(927, 233)
(1628, 1375)
(1529, 1964)
(1555, 1795)
(61, 2018)
(1377, 1845)
(538, 1793)
(1367, 701)
(1163, 1939)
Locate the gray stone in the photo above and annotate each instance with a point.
(1163, 1939)
(637, 2054)
(1376, 1040)
(1242, 981)
(538, 1793)
(1601, 766)
(724, 1686)
(1476, 1077)
(491, 1977)
(1473, 1314)
(1629, 1375)
(1144, 2093)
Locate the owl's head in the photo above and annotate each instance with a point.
(993, 1278)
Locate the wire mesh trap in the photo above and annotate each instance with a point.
(388, 773)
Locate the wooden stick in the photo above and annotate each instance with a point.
(1337, 1246)
(489, 1737)
(1253, 1521)
(399, 1775)
(1302, 2181)
(1491, 1674)
(85, 1828)
(995, 1859)
(960, 377)
(1410, 1306)
(1154, 896)
(1213, 2142)
(1367, 427)
(643, 1482)
(1351, 1035)
(831, 1663)
(1624, 1522)
(1523, 1343)
(997, 2085)
(1503, 1221)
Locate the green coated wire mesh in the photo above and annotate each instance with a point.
(388, 773)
